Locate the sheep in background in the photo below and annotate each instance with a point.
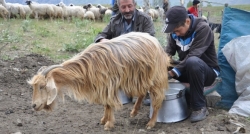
(89, 15)
(153, 14)
(14, 9)
(140, 9)
(58, 11)
(71, 5)
(95, 10)
(4, 12)
(72, 11)
(100, 6)
(160, 11)
(41, 9)
(90, 5)
(27, 10)
(134, 63)
(108, 12)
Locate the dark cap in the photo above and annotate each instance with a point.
(174, 15)
(195, 2)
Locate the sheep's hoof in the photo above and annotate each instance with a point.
(150, 125)
(133, 113)
(103, 121)
(108, 126)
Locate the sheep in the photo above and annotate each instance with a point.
(90, 5)
(134, 63)
(160, 11)
(153, 14)
(41, 9)
(140, 9)
(58, 11)
(72, 11)
(89, 15)
(95, 10)
(4, 12)
(101, 6)
(14, 9)
(27, 10)
(71, 5)
(108, 12)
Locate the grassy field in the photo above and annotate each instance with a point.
(56, 39)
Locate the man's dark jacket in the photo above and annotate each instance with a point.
(142, 23)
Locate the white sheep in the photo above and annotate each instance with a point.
(4, 12)
(153, 14)
(89, 15)
(41, 9)
(14, 9)
(140, 9)
(72, 11)
(58, 11)
(160, 11)
(96, 12)
(108, 12)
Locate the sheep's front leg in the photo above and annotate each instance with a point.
(108, 118)
(105, 116)
(137, 106)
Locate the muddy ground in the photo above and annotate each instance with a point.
(71, 117)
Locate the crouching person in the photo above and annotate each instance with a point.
(193, 41)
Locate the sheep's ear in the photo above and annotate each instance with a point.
(52, 91)
(51, 96)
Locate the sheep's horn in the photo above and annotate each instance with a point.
(45, 71)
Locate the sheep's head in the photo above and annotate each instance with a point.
(28, 2)
(44, 90)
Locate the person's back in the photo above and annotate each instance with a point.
(128, 19)
(194, 9)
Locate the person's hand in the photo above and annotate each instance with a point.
(102, 40)
(170, 75)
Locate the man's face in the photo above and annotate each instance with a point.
(127, 8)
(182, 30)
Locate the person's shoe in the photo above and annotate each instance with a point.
(199, 115)
(146, 102)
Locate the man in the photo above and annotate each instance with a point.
(128, 19)
(194, 9)
(193, 40)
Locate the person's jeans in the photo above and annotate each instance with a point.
(198, 74)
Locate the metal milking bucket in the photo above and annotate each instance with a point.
(174, 108)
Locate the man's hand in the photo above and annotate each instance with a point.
(102, 40)
(170, 75)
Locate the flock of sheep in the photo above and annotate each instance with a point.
(51, 11)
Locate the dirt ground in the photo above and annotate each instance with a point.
(71, 117)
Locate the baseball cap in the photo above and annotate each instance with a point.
(174, 15)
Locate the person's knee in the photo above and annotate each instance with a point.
(192, 61)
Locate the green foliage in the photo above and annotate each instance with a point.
(7, 36)
(26, 25)
(43, 32)
(190, 3)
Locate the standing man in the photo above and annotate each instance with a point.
(193, 40)
(128, 19)
(194, 9)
